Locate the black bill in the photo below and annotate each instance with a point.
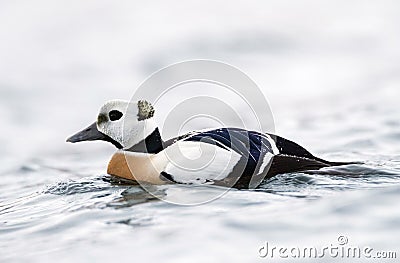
(91, 133)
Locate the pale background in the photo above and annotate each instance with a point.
(330, 70)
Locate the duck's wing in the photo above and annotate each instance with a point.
(261, 156)
(251, 152)
(240, 140)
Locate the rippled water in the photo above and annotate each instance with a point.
(335, 92)
(62, 206)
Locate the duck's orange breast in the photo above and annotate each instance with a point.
(134, 166)
(118, 167)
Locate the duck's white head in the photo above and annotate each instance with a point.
(120, 122)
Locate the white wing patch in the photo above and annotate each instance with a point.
(198, 162)
(265, 161)
(274, 149)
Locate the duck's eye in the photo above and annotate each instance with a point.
(115, 115)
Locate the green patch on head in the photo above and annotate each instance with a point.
(101, 118)
(146, 110)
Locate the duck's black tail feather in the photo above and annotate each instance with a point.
(288, 164)
(294, 158)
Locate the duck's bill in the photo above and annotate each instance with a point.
(91, 133)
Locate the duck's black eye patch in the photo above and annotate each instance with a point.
(115, 115)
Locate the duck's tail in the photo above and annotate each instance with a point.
(294, 158)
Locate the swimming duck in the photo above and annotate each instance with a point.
(225, 156)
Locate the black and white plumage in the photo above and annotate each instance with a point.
(250, 154)
(226, 156)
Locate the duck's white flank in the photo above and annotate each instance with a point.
(197, 162)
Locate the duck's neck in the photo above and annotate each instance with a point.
(151, 144)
